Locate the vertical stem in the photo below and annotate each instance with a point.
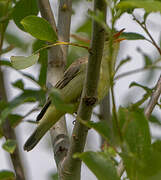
(56, 63)
(9, 133)
(71, 169)
(105, 112)
(154, 99)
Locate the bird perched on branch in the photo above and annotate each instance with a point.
(70, 87)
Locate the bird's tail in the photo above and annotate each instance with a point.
(51, 116)
(32, 140)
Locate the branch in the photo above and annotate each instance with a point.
(105, 114)
(143, 26)
(71, 167)
(9, 133)
(154, 99)
(55, 56)
(59, 134)
(57, 59)
(131, 72)
(64, 21)
(47, 13)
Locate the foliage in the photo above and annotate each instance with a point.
(129, 139)
(7, 175)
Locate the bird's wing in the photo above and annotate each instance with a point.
(69, 74)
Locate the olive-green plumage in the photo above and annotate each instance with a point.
(71, 86)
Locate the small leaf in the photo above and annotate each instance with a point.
(7, 175)
(122, 62)
(54, 176)
(155, 120)
(132, 36)
(148, 90)
(142, 169)
(3, 104)
(15, 119)
(157, 145)
(59, 103)
(26, 96)
(19, 84)
(10, 146)
(21, 62)
(5, 63)
(16, 41)
(102, 128)
(100, 164)
(99, 18)
(147, 59)
(39, 28)
(149, 6)
(43, 60)
(22, 9)
(29, 76)
(85, 27)
(135, 130)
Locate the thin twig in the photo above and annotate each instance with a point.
(143, 26)
(46, 12)
(62, 43)
(154, 99)
(136, 71)
(120, 168)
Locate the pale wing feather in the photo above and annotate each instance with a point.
(69, 74)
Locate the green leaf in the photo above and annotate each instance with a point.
(57, 100)
(157, 145)
(5, 63)
(142, 162)
(10, 146)
(100, 164)
(85, 27)
(3, 104)
(22, 9)
(19, 84)
(135, 130)
(39, 28)
(122, 62)
(102, 128)
(16, 41)
(43, 60)
(98, 17)
(29, 76)
(54, 176)
(27, 96)
(15, 119)
(7, 175)
(149, 6)
(147, 59)
(142, 169)
(155, 120)
(132, 36)
(133, 84)
(21, 62)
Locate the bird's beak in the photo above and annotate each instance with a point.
(117, 35)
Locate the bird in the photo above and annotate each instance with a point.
(70, 88)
